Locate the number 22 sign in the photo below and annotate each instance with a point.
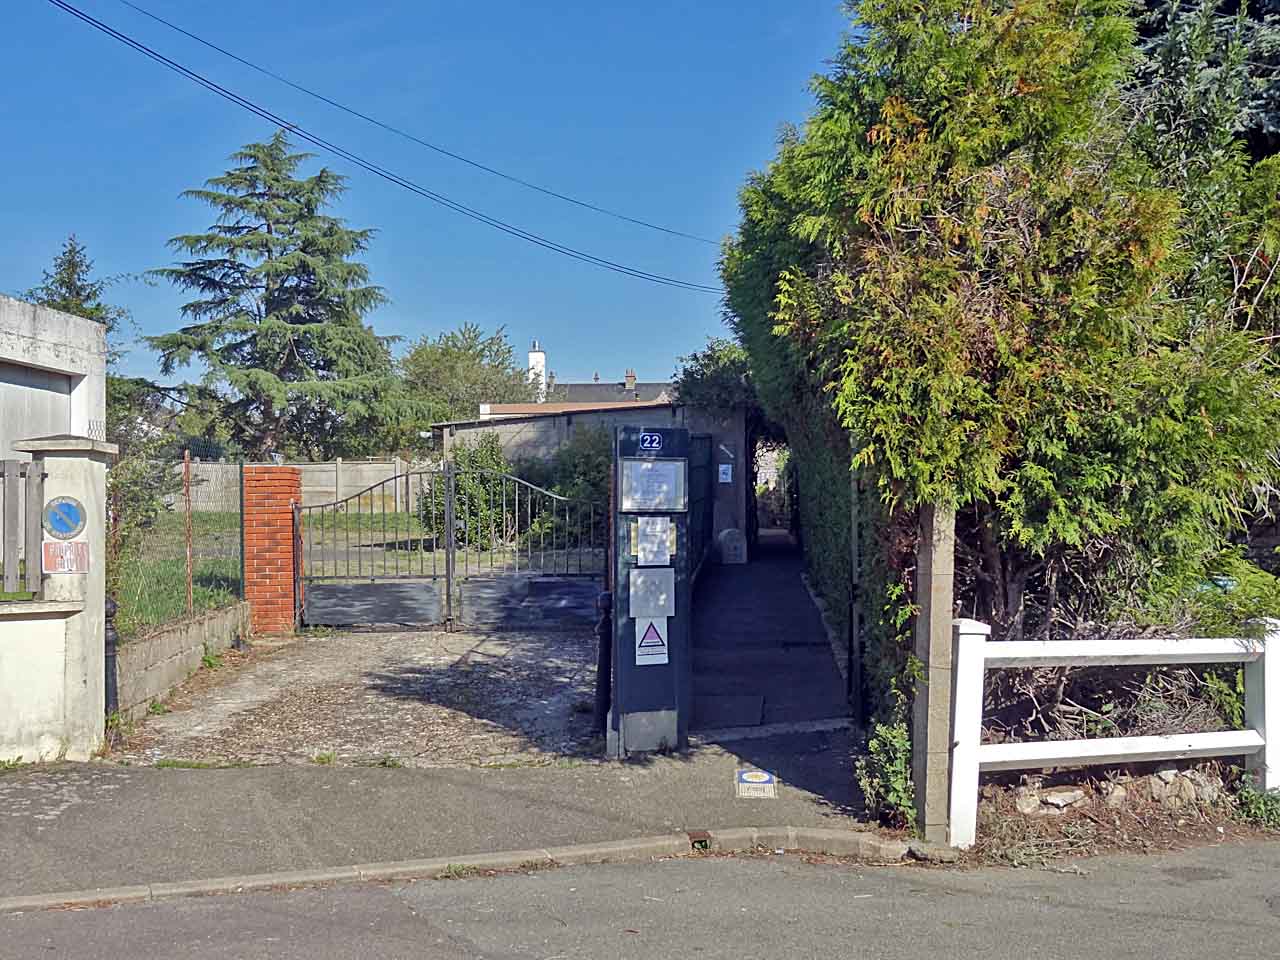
(650, 441)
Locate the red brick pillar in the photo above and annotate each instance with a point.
(269, 495)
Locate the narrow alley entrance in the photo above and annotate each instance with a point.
(761, 655)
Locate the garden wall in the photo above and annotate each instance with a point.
(147, 670)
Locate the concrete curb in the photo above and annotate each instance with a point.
(842, 843)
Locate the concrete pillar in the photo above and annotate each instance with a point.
(931, 709)
(269, 495)
(74, 467)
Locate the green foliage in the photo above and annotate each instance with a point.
(277, 318)
(71, 287)
(1260, 807)
(884, 775)
(479, 518)
(972, 251)
(453, 374)
(578, 470)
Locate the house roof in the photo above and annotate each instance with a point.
(610, 392)
(507, 412)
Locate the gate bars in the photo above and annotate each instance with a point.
(397, 529)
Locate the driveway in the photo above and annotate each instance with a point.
(414, 699)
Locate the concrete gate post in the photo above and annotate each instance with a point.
(52, 667)
(269, 495)
(931, 716)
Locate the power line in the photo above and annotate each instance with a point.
(390, 128)
(377, 170)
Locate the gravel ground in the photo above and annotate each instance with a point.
(417, 699)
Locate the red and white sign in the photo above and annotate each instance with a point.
(65, 556)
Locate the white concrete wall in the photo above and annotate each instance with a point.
(53, 370)
(53, 373)
(32, 693)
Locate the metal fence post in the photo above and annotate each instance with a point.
(242, 564)
(450, 541)
(296, 540)
(186, 500)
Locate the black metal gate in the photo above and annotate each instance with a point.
(398, 531)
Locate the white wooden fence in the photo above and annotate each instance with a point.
(975, 653)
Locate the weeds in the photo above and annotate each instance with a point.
(156, 708)
(457, 871)
(1259, 807)
(884, 775)
(211, 661)
(7, 766)
(325, 758)
(177, 764)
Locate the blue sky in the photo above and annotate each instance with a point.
(658, 110)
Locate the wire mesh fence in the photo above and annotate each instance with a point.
(187, 555)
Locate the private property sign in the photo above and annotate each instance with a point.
(65, 556)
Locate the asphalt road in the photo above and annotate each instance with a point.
(1215, 902)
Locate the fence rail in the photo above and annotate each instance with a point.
(975, 653)
(21, 499)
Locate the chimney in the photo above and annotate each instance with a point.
(538, 370)
(631, 381)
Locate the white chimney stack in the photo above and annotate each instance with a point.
(538, 370)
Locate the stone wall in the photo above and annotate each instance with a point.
(147, 670)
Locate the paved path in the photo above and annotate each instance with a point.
(760, 652)
(1218, 902)
(82, 826)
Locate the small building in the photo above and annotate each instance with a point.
(535, 431)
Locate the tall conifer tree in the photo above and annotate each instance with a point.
(278, 316)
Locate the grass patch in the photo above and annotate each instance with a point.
(211, 661)
(457, 871)
(7, 766)
(326, 758)
(153, 591)
(179, 764)
(156, 708)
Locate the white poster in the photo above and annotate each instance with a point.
(726, 473)
(652, 592)
(653, 485)
(653, 542)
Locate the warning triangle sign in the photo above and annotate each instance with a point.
(652, 638)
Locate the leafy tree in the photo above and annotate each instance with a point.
(719, 377)
(457, 371)
(277, 319)
(970, 253)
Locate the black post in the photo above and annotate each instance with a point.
(450, 541)
(604, 661)
(243, 584)
(111, 639)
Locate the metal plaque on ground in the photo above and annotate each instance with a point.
(757, 785)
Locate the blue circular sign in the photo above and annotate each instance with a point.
(64, 518)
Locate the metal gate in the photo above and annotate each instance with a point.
(398, 530)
